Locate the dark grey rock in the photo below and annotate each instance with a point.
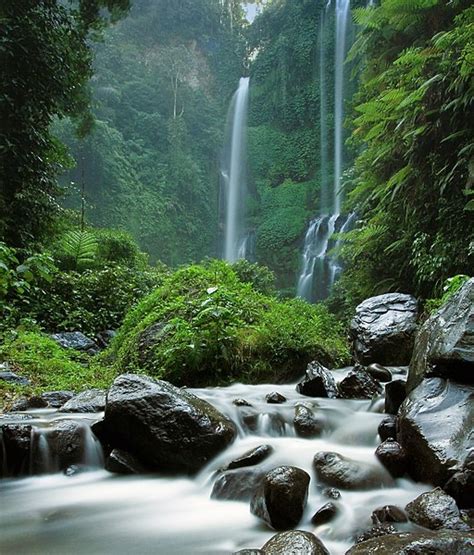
(388, 513)
(376, 531)
(318, 382)
(324, 514)
(104, 338)
(56, 399)
(461, 487)
(249, 552)
(441, 542)
(395, 394)
(252, 457)
(166, 428)
(237, 485)
(306, 423)
(275, 398)
(74, 340)
(29, 403)
(383, 329)
(436, 410)
(121, 462)
(434, 510)
(91, 400)
(11, 377)
(359, 385)
(341, 472)
(295, 542)
(444, 346)
(392, 455)
(388, 428)
(16, 451)
(379, 372)
(281, 497)
(241, 403)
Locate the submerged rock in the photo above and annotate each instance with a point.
(392, 455)
(383, 329)
(281, 497)
(252, 457)
(306, 423)
(237, 485)
(318, 382)
(166, 428)
(388, 513)
(341, 472)
(121, 462)
(15, 449)
(436, 410)
(379, 372)
(444, 346)
(395, 394)
(324, 514)
(417, 543)
(435, 509)
(91, 400)
(275, 398)
(294, 542)
(359, 385)
(388, 428)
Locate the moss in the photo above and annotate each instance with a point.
(48, 366)
(205, 327)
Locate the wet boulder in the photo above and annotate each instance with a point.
(435, 509)
(331, 493)
(324, 514)
(387, 514)
(306, 423)
(91, 400)
(237, 485)
(392, 455)
(281, 497)
(417, 543)
(435, 410)
(121, 462)
(75, 340)
(6, 375)
(341, 472)
(248, 552)
(295, 542)
(56, 399)
(164, 427)
(241, 403)
(317, 382)
(275, 398)
(358, 384)
(383, 329)
(388, 428)
(444, 346)
(251, 458)
(461, 484)
(395, 394)
(376, 531)
(15, 449)
(34, 402)
(379, 372)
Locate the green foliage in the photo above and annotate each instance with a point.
(78, 249)
(451, 286)
(204, 326)
(120, 247)
(45, 64)
(412, 120)
(48, 366)
(260, 277)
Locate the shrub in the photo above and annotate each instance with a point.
(260, 277)
(204, 326)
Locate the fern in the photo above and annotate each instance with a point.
(81, 247)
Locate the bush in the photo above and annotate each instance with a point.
(204, 326)
(260, 277)
(451, 286)
(119, 246)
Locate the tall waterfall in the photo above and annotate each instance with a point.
(319, 269)
(233, 172)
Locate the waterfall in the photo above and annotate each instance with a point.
(319, 268)
(233, 171)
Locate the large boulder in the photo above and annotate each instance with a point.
(383, 329)
(281, 497)
(166, 428)
(15, 449)
(317, 382)
(358, 384)
(418, 543)
(444, 345)
(294, 542)
(306, 423)
(237, 485)
(435, 427)
(341, 472)
(75, 340)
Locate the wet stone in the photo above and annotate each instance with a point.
(275, 398)
(392, 455)
(252, 457)
(379, 372)
(295, 542)
(375, 532)
(388, 428)
(306, 423)
(358, 384)
(434, 510)
(388, 513)
(34, 402)
(318, 382)
(121, 462)
(324, 514)
(91, 400)
(241, 403)
(237, 485)
(331, 493)
(395, 394)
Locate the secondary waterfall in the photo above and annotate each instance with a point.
(319, 268)
(233, 172)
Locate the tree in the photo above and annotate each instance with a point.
(45, 65)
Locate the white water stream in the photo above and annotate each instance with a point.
(99, 513)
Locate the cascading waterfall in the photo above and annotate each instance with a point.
(233, 171)
(319, 269)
